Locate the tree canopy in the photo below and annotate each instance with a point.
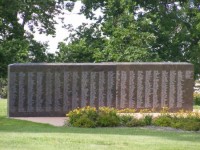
(127, 30)
(18, 44)
(150, 30)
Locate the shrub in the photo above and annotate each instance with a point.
(3, 88)
(188, 124)
(196, 98)
(148, 119)
(79, 116)
(124, 119)
(135, 122)
(107, 117)
(164, 121)
(84, 122)
(91, 117)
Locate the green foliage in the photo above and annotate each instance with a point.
(85, 122)
(148, 119)
(184, 121)
(83, 117)
(76, 52)
(107, 117)
(3, 88)
(196, 98)
(124, 119)
(17, 44)
(112, 37)
(163, 120)
(188, 124)
(136, 31)
(91, 117)
(135, 122)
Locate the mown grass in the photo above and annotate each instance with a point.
(23, 135)
(196, 107)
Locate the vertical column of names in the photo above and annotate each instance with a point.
(110, 88)
(132, 89)
(75, 85)
(180, 89)
(123, 89)
(30, 107)
(57, 92)
(49, 91)
(102, 88)
(164, 88)
(13, 96)
(84, 88)
(155, 88)
(93, 88)
(172, 89)
(118, 92)
(140, 88)
(67, 91)
(39, 92)
(148, 89)
(21, 101)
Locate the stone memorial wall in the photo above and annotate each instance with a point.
(54, 89)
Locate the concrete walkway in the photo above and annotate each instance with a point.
(55, 121)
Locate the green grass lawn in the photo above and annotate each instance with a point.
(25, 135)
(196, 107)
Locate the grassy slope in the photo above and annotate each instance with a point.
(17, 134)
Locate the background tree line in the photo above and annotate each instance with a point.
(135, 30)
(128, 30)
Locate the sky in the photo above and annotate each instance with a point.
(70, 18)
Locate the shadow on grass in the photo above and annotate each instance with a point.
(12, 125)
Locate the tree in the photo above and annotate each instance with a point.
(175, 25)
(113, 37)
(18, 44)
(148, 30)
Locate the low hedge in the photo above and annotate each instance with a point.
(90, 117)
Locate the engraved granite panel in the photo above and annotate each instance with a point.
(93, 88)
(102, 89)
(31, 92)
(43, 89)
(148, 88)
(140, 89)
(75, 97)
(118, 89)
(85, 89)
(58, 92)
(172, 89)
(22, 93)
(111, 75)
(124, 89)
(49, 92)
(156, 88)
(39, 92)
(180, 80)
(13, 92)
(164, 88)
(132, 89)
(67, 91)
